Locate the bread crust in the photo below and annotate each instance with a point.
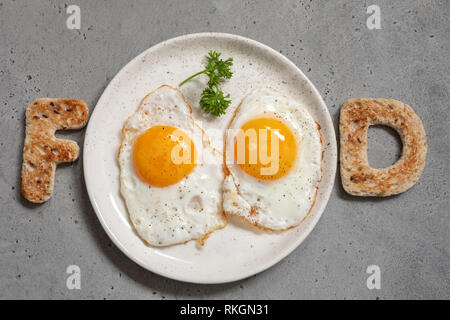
(42, 150)
(358, 178)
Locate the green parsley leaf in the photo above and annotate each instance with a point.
(213, 100)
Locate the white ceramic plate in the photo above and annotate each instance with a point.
(235, 252)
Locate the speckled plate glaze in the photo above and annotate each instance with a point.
(235, 252)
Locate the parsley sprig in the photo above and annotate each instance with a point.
(213, 100)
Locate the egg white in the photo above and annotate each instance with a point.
(189, 209)
(280, 204)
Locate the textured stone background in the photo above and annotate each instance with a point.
(408, 59)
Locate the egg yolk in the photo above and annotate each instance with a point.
(163, 155)
(265, 148)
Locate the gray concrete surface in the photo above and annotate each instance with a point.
(407, 236)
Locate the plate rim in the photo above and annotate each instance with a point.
(326, 193)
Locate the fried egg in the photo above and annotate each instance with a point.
(170, 176)
(273, 155)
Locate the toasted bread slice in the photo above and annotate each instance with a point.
(358, 178)
(42, 150)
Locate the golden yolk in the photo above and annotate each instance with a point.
(163, 156)
(260, 156)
